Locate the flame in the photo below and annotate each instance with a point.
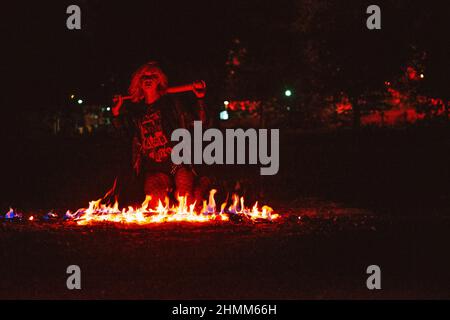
(10, 214)
(183, 212)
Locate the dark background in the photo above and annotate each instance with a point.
(44, 63)
(364, 195)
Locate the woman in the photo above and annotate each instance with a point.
(152, 116)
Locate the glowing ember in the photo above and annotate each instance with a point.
(98, 212)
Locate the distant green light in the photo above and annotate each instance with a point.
(288, 93)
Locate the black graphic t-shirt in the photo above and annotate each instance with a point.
(153, 140)
(151, 127)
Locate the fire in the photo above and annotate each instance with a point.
(183, 212)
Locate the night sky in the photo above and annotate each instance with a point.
(191, 40)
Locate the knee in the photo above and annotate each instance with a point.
(157, 185)
(184, 180)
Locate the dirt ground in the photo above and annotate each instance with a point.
(380, 197)
(315, 252)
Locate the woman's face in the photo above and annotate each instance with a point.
(150, 80)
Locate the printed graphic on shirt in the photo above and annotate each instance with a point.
(154, 141)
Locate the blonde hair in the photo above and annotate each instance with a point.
(135, 89)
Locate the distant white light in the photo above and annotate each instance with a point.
(224, 115)
(226, 102)
(288, 108)
(422, 76)
(80, 101)
(72, 96)
(108, 109)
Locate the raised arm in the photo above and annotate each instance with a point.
(118, 100)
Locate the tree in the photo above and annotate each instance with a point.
(343, 56)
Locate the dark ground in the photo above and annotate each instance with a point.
(376, 198)
(320, 257)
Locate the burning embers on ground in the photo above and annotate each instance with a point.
(98, 212)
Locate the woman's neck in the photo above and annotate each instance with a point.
(151, 98)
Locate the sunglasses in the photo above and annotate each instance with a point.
(149, 77)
